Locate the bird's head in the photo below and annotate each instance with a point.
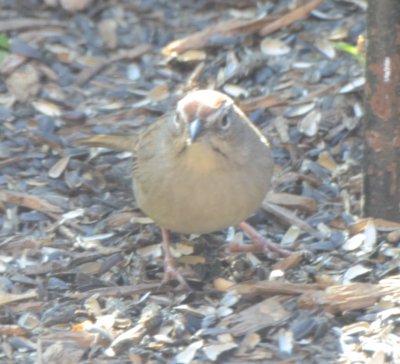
(209, 120)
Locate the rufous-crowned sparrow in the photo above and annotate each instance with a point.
(202, 168)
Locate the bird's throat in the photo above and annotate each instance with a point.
(201, 157)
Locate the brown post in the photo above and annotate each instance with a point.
(382, 111)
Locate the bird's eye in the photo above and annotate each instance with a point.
(225, 122)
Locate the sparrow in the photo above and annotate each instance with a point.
(199, 169)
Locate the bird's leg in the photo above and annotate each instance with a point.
(259, 242)
(170, 269)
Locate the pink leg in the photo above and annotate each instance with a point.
(170, 269)
(259, 242)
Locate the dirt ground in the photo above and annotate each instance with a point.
(81, 266)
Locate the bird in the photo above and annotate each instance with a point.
(200, 168)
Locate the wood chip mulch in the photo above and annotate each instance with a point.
(81, 266)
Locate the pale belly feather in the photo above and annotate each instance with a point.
(200, 198)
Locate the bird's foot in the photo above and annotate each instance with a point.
(259, 243)
(170, 269)
(171, 273)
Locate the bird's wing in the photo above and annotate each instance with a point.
(122, 143)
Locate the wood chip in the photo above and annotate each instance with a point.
(300, 12)
(293, 201)
(29, 201)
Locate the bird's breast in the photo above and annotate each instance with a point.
(201, 191)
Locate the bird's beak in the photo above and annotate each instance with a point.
(195, 128)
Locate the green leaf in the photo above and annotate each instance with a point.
(350, 49)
